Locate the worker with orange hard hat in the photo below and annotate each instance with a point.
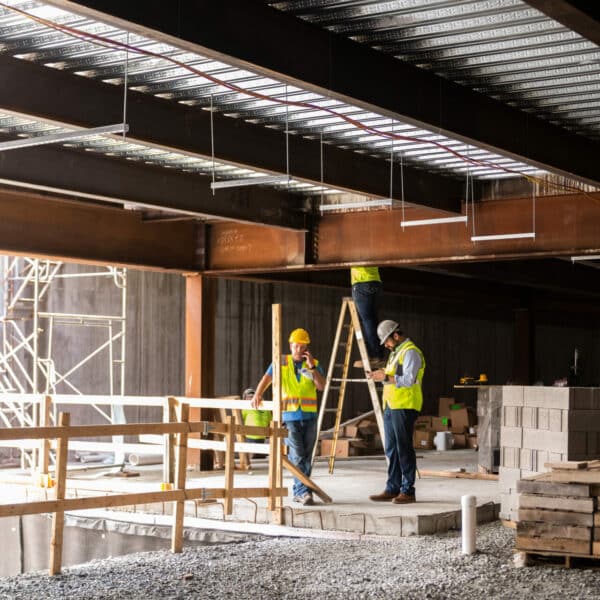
(301, 377)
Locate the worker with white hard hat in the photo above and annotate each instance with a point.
(402, 402)
(301, 377)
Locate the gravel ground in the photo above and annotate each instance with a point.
(269, 568)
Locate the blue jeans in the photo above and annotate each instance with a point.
(366, 297)
(301, 439)
(398, 426)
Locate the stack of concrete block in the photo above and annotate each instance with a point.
(489, 409)
(541, 425)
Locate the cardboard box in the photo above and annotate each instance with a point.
(367, 427)
(460, 440)
(424, 422)
(440, 424)
(344, 447)
(423, 440)
(351, 431)
(444, 406)
(462, 418)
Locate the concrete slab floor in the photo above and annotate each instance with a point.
(437, 508)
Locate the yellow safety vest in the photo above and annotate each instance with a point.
(257, 418)
(403, 397)
(296, 393)
(363, 274)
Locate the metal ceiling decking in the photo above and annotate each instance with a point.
(503, 48)
(323, 117)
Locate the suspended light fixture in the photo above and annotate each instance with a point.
(508, 236)
(502, 236)
(435, 221)
(585, 257)
(232, 183)
(57, 138)
(365, 204)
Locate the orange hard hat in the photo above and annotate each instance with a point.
(299, 336)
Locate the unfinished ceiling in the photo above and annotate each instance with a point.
(485, 110)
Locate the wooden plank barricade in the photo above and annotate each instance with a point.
(181, 430)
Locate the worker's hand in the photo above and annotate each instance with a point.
(310, 361)
(378, 375)
(256, 401)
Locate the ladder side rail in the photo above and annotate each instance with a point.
(366, 365)
(341, 397)
(326, 390)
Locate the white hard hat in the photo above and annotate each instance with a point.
(385, 329)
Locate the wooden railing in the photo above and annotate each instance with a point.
(181, 430)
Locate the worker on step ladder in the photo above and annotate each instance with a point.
(366, 290)
(402, 401)
(301, 377)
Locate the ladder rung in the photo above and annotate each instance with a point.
(348, 379)
(330, 410)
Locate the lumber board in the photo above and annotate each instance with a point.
(305, 480)
(180, 478)
(554, 545)
(596, 548)
(58, 519)
(459, 475)
(113, 500)
(568, 465)
(580, 505)
(549, 530)
(557, 517)
(549, 488)
(575, 476)
(229, 465)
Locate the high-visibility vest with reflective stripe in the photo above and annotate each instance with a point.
(403, 397)
(363, 274)
(257, 418)
(296, 393)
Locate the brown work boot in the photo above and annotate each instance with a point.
(383, 497)
(403, 498)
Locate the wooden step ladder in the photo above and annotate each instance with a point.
(348, 328)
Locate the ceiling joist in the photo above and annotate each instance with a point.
(256, 36)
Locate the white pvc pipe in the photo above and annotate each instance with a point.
(145, 459)
(469, 522)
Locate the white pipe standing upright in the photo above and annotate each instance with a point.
(469, 522)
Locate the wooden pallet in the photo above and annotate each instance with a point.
(556, 559)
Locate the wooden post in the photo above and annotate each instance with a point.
(229, 464)
(275, 465)
(58, 520)
(181, 468)
(169, 416)
(44, 458)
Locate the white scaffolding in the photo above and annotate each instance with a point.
(31, 362)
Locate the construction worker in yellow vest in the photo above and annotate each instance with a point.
(301, 377)
(255, 418)
(366, 291)
(402, 401)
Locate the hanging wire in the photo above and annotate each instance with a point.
(392, 168)
(125, 81)
(322, 171)
(533, 204)
(212, 142)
